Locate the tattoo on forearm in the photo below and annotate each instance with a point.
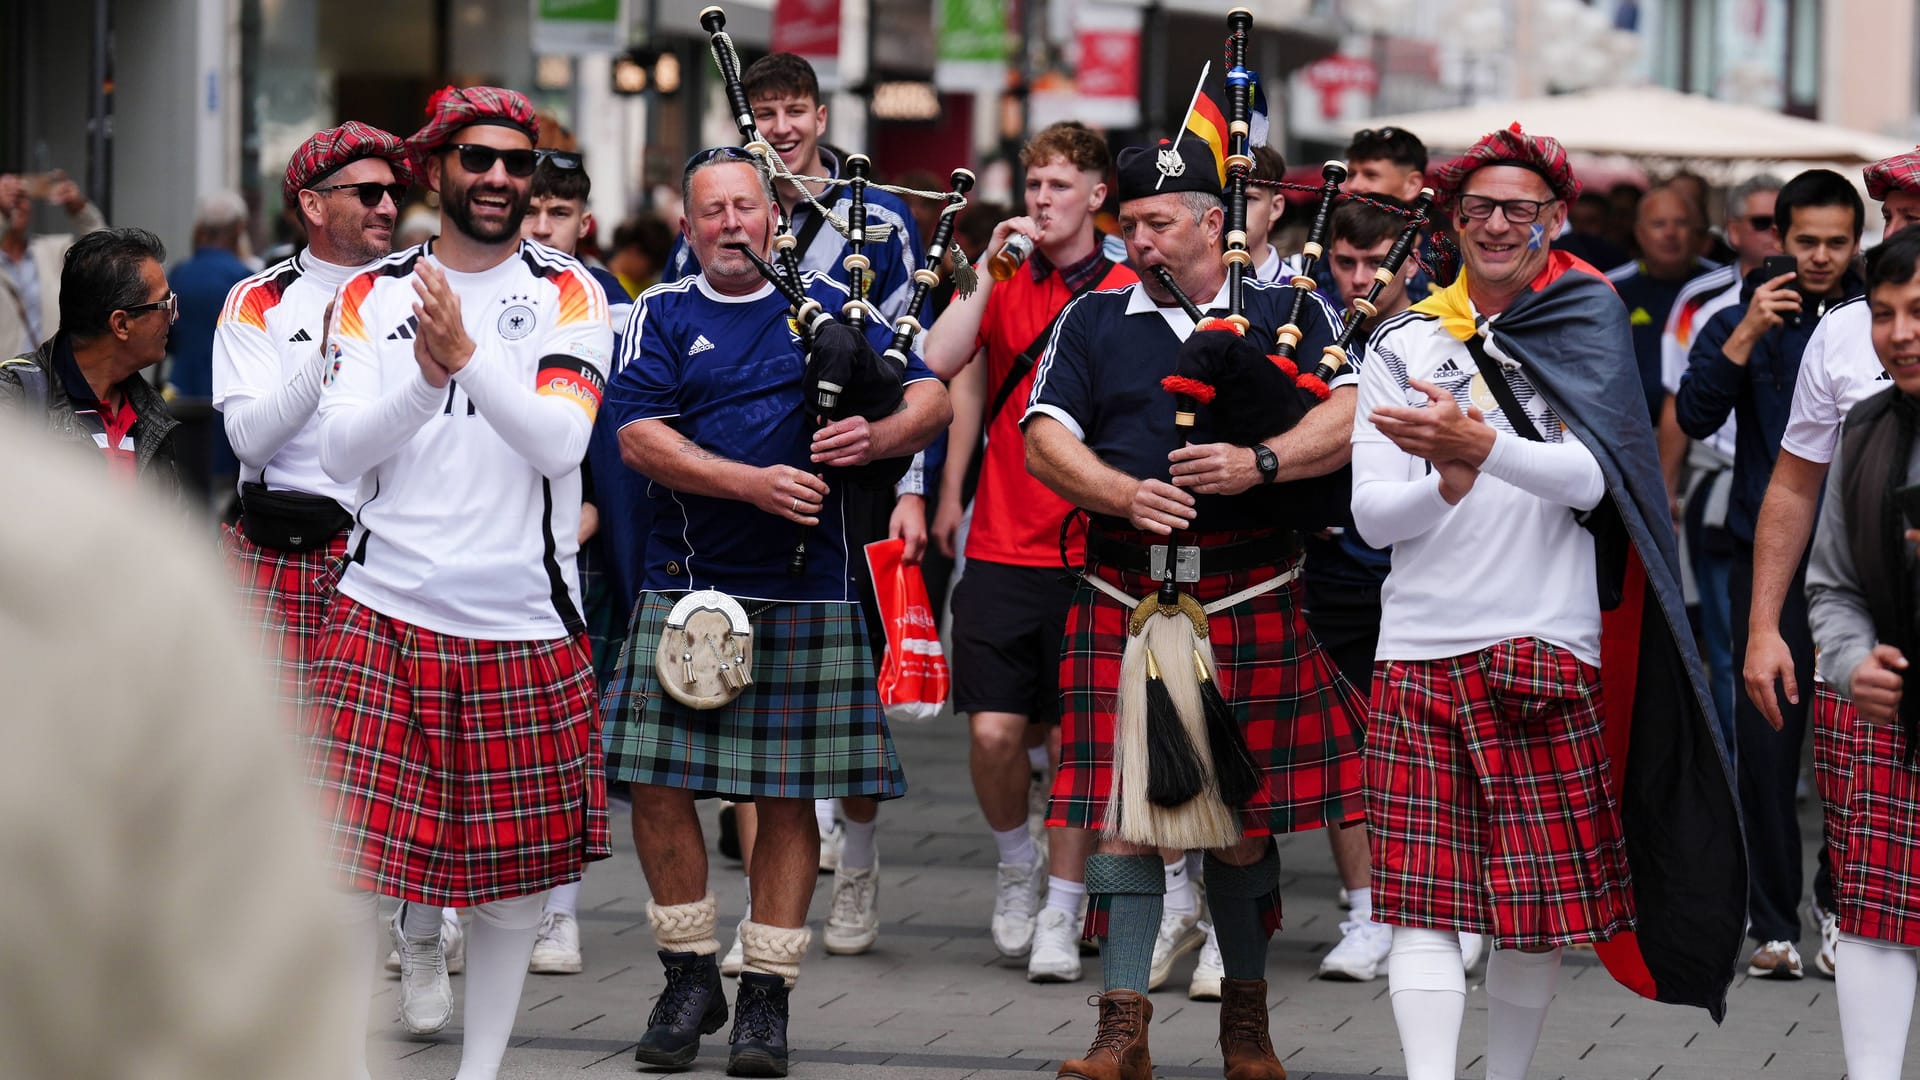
(700, 453)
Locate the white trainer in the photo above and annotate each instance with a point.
(830, 843)
(1056, 948)
(1473, 947)
(1179, 935)
(1016, 900)
(556, 949)
(736, 957)
(1361, 954)
(1210, 969)
(453, 944)
(1829, 941)
(853, 924)
(426, 994)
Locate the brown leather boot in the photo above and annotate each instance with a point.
(1119, 1050)
(1245, 1050)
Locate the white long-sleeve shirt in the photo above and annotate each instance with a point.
(469, 499)
(1509, 560)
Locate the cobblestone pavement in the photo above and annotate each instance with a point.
(934, 1001)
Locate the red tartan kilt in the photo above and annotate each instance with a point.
(1877, 885)
(457, 771)
(1301, 719)
(286, 595)
(1833, 724)
(1490, 799)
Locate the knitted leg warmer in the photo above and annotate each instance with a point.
(686, 927)
(774, 950)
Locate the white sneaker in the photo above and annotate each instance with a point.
(1179, 935)
(1829, 940)
(1472, 948)
(735, 959)
(1016, 899)
(453, 944)
(1056, 948)
(1209, 971)
(556, 950)
(1361, 954)
(426, 994)
(830, 844)
(854, 922)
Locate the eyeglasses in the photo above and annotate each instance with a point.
(564, 160)
(1760, 222)
(370, 192)
(170, 302)
(739, 153)
(479, 159)
(1516, 211)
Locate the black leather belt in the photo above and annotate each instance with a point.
(1128, 557)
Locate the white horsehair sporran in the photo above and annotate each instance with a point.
(706, 651)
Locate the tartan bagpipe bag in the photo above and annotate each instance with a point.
(914, 678)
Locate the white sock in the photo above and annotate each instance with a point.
(1362, 900)
(1037, 759)
(564, 899)
(1016, 846)
(359, 912)
(1064, 895)
(1429, 994)
(1876, 981)
(858, 851)
(1179, 899)
(1519, 989)
(823, 814)
(498, 948)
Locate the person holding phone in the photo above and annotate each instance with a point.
(1745, 363)
(1861, 601)
(29, 264)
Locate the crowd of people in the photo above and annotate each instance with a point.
(1558, 490)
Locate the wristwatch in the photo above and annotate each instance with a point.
(1267, 462)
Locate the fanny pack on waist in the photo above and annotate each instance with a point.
(289, 520)
(1134, 558)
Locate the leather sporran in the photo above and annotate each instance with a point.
(706, 651)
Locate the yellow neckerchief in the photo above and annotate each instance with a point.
(1452, 307)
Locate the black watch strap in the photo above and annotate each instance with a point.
(1267, 462)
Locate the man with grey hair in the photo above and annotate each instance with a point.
(1699, 474)
(1668, 228)
(202, 281)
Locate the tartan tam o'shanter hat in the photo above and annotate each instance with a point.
(1538, 154)
(452, 108)
(329, 150)
(1900, 172)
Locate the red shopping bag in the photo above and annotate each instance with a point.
(913, 677)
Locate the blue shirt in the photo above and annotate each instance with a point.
(1100, 377)
(618, 493)
(728, 372)
(202, 283)
(1758, 394)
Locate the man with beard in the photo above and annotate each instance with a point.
(460, 740)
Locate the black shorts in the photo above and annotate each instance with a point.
(1008, 624)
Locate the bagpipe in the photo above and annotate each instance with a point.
(845, 377)
(1182, 768)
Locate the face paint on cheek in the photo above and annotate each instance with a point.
(1538, 239)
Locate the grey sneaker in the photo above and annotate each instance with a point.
(426, 994)
(853, 924)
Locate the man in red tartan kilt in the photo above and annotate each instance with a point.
(459, 733)
(269, 360)
(1102, 433)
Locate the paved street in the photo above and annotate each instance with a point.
(933, 1000)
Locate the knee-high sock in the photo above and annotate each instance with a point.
(565, 899)
(1519, 989)
(1131, 889)
(498, 948)
(1239, 897)
(359, 912)
(1876, 981)
(1429, 992)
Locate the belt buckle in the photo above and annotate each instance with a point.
(1186, 563)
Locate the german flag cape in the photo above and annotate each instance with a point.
(1678, 801)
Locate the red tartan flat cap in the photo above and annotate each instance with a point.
(1900, 172)
(326, 151)
(1539, 154)
(452, 108)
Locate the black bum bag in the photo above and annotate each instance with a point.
(289, 520)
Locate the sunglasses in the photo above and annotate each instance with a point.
(1376, 133)
(1760, 222)
(170, 303)
(738, 153)
(370, 192)
(479, 159)
(564, 160)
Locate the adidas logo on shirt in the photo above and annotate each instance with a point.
(700, 345)
(1884, 376)
(300, 335)
(1448, 368)
(404, 332)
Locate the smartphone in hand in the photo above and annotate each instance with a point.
(1772, 267)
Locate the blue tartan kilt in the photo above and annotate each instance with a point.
(809, 727)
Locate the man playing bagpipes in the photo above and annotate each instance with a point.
(1502, 448)
(715, 405)
(1212, 523)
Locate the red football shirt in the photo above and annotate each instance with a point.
(1016, 519)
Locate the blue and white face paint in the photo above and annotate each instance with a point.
(1537, 238)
